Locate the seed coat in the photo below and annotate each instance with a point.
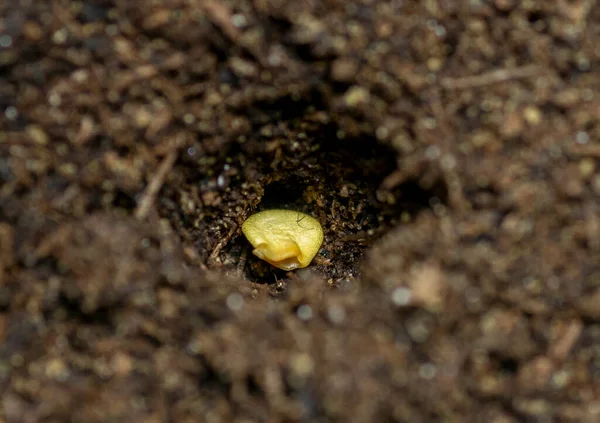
(286, 239)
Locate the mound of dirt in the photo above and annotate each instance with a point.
(449, 150)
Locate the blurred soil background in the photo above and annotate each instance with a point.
(449, 148)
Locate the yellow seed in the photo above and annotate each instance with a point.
(286, 239)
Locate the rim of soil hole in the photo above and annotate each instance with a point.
(295, 159)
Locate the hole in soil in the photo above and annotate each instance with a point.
(298, 164)
(285, 194)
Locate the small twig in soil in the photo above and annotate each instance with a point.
(220, 15)
(222, 242)
(362, 237)
(489, 78)
(242, 263)
(154, 186)
(453, 181)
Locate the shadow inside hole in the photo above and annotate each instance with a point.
(284, 194)
(411, 197)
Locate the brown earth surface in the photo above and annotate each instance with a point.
(449, 149)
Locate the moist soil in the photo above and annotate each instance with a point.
(449, 149)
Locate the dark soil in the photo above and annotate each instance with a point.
(449, 148)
